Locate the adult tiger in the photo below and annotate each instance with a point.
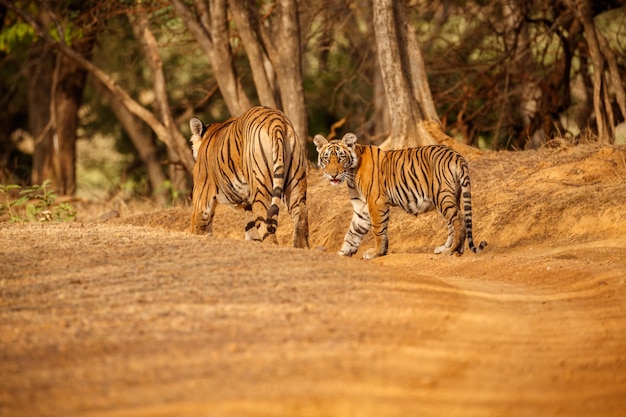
(252, 162)
(416, 179)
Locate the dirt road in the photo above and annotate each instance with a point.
(139, 318)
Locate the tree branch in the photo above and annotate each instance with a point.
(179, 147)
(135, 108)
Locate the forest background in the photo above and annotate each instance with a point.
(97, 95)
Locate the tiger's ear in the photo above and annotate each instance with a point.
(196, 126)
(319, 142)
(349, 139)
(197, 130)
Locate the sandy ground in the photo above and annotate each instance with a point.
(133, 316)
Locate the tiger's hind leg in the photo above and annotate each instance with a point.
(295, 200)
(300, 216)
(265, 221)
(271, 222)
(252, 232)
(272, 177)
(443, 248)
(455, 244)
(265, 205)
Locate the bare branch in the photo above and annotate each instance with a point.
(134, 107)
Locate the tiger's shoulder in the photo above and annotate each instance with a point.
(200, 131)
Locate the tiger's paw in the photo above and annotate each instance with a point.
(441, 249)
(270, 239)
(347, 250)
(200, 230)
(448, 250)
(252, 234)
(371, 254)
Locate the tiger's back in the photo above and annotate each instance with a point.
(252, 162)
(432, 177)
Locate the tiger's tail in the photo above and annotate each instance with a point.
(466, 196)
(278, 180)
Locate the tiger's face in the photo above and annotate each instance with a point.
(337, 157)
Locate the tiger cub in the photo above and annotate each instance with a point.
(416, 179)
(252, 162)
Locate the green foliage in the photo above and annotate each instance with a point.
(16, 35)
(33, 204)
(70, 34)
(19, 35)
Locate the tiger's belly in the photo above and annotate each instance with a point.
(236, 194)
(415, 205)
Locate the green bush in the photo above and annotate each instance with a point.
(35, 203)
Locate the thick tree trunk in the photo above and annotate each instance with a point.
(403, 75)
(55, 94)
(285, 53)
(289, 69)
(381, 115)
(418, 78)
(66, 99)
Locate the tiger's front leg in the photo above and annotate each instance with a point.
(379, 214)
(202, 216)
(359, 226)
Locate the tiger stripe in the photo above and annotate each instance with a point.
(415, 179)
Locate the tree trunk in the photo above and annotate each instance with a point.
(517, 45)
(289, 69)
(55, 94)
(141, 27)
(601, 100)
(380, 115)
(615, 78)
(281, 45)
(135, 108)
(404, 76)
(247, 21)
(142, 140)
(67, 96)
(285, 53)
(141, 137)
(40, 69)
(210, 29)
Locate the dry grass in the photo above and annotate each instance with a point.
(133, 316)
(550, 196)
